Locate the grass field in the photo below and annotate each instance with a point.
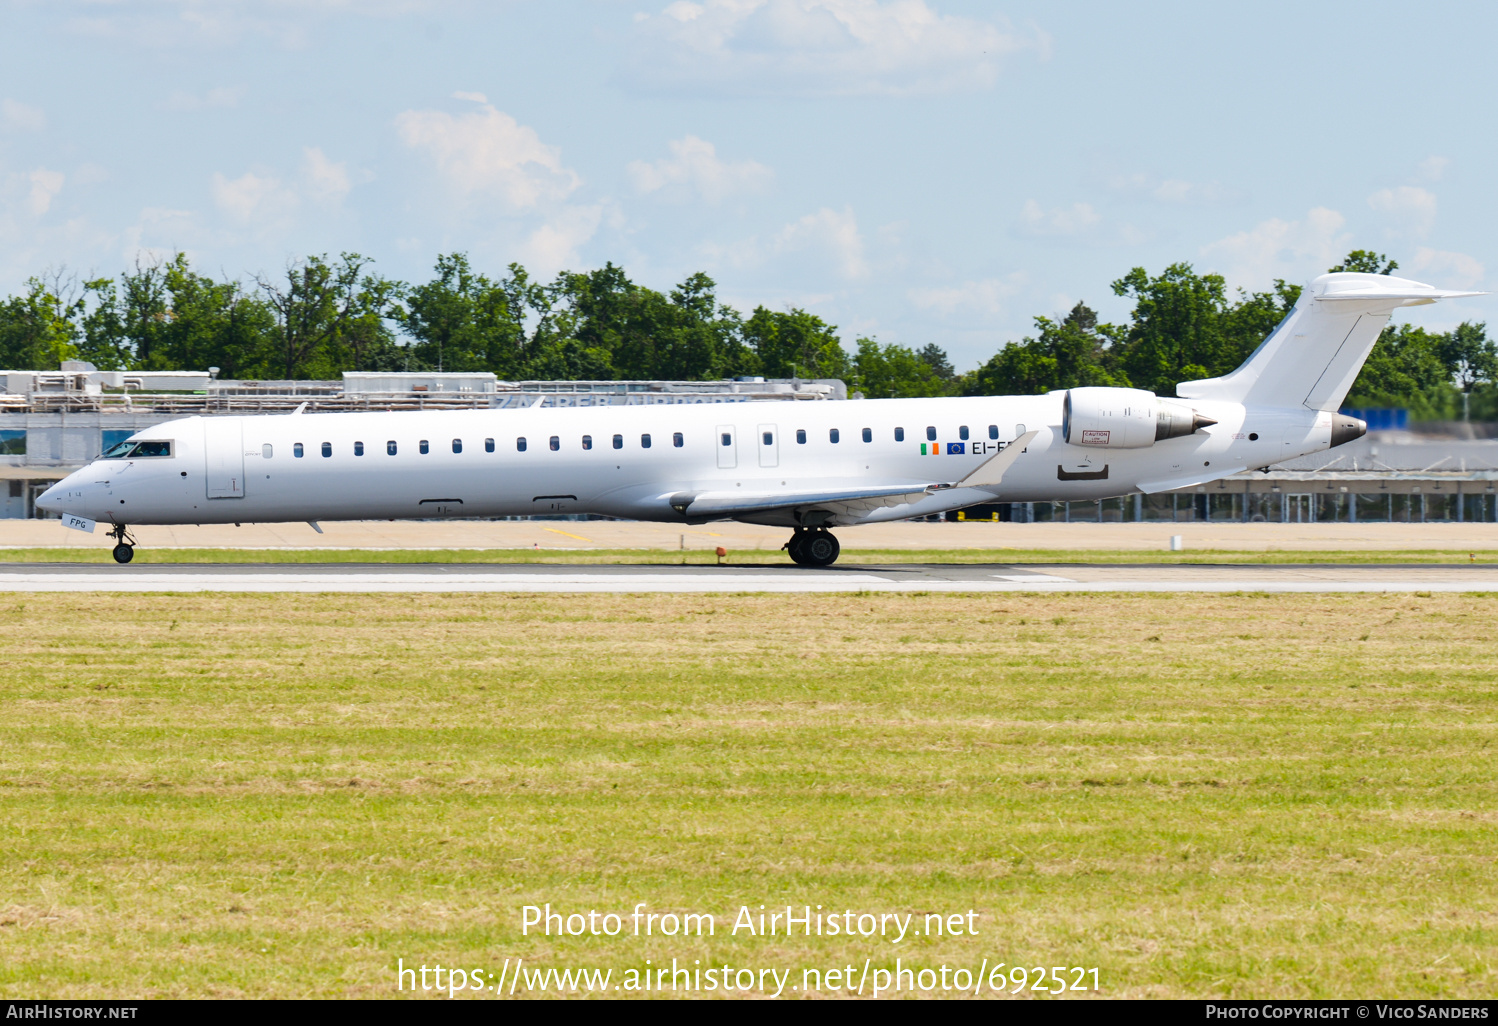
(701, 556)
(281, 795)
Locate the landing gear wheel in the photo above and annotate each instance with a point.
(820, 549)
(814, 547)
(124, 545)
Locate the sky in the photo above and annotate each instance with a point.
(917, 171)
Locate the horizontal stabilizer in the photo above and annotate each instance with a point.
(1313, 357)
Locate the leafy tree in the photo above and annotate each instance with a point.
(1366, 261)
(316, 309)
(464, 321)
(1405, 369)
(795, 343)
(1074, 352)
(1177, 330)
(38, 330)
(1469, 355)
(891, 372)
(935, 357)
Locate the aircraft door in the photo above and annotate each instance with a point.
(769, 445)
(727, 446)
(223, 455)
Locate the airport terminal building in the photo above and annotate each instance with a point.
(53, 422)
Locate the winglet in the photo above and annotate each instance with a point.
(299, 409)
(992, 471)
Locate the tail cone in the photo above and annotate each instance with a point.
(1346, 429)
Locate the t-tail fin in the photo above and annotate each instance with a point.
(1315, 354)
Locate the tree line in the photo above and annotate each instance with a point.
(325, 316)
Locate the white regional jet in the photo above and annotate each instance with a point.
(805, 466)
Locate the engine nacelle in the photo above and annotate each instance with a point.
(1124, 418)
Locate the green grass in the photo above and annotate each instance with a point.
(740, 556)
(281, 795)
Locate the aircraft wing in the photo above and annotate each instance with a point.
(735, 502)
(864, 498)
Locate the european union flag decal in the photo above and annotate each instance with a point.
(955, 448)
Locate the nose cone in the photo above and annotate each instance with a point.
(49, 500)
(55, 499)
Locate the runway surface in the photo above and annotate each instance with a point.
(377, 577)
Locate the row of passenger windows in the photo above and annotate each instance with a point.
(555, 442)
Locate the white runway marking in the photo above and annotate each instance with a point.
(907, 578)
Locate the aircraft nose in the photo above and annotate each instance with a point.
(50, 499)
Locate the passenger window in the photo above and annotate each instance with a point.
(868, 434)
(993, 431)
(488, 445)
(644, 441)
(677, 440)
(556, 443)
(358, 448)
(727, 438)
(266, 451)
(618, 441)
(520, 444)
(833, 436)
(390, 448)
(899, 434)
(424, 447)
(931, 434)
(297, 451)
(962, 432)
(800, 436)
(457, 445)
(327, 448)
(769, 438)
(587, 441)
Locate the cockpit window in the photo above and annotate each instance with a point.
(138, 450)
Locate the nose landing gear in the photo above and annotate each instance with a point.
(813, 546)
(124, 549)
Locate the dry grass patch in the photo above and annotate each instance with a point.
(1202, 795)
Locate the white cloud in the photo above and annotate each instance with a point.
(45, 185)
(1068, 222)
(489, 152)
(1432, 169)
(826, 236)
(1174, 191)
(1280, 249)
(473, 97)
(253, 198)
(985, 296)
(15, 114)
(1410, 208)
(159, 234)
(326, 180)
(830, 232)
(214, 99)
(820, 47)
(199, 23)
(554, 245)
(262, 200)
(1454, 270)
(694, 166)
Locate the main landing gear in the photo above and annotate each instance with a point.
(124, 549)
(813, 546)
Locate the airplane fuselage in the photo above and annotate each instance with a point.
(630, 461)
